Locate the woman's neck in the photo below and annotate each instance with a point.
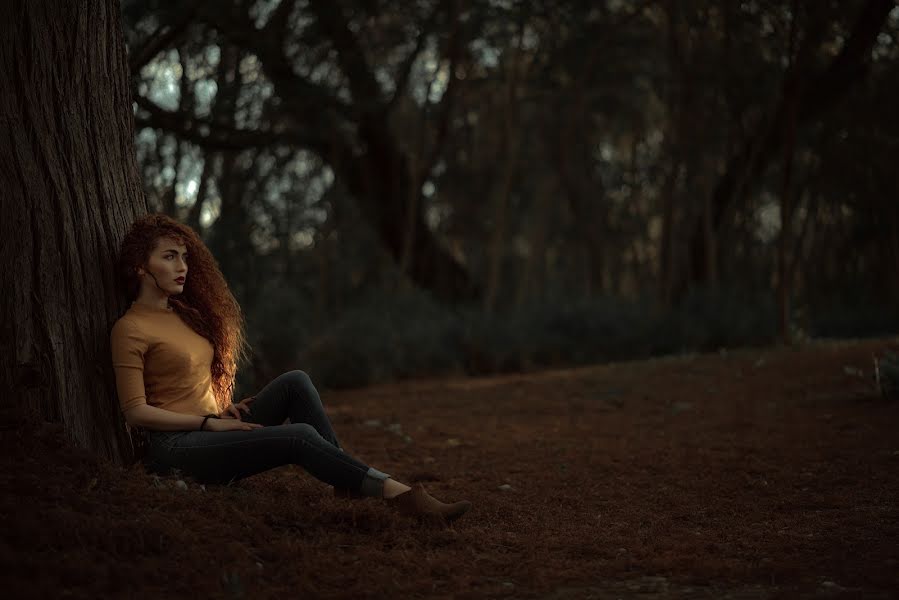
(157, 300)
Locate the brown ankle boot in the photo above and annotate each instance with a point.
(418, 502)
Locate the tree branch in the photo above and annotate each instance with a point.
(216, 136)
(162, 38)
(849, 64)
(367, 93)
(268, 46)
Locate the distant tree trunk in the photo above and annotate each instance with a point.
(169, 196)
(499, 201)
(507, 161)
(70, 190)
(196, 209)
(677, 98)
(792, 83)
(582, 188)
(221, 111)
(533, 278)
(228, 236)
(413, 205)
(802, 244)
(892, 247)
(666, 239)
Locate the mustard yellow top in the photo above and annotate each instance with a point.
(159, 360)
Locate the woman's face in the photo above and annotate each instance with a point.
(168, 265)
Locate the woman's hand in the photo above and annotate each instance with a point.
(233, 411)
(230, 424)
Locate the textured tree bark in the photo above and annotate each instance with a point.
(70, 189)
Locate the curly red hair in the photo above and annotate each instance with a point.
(206, 304)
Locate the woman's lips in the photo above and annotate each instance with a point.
(180, 280)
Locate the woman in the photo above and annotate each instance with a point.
(175, 354)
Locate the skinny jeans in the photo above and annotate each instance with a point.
(220, 457)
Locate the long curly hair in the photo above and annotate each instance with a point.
(206, 304)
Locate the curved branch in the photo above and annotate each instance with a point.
(268, 46)
(216, 136)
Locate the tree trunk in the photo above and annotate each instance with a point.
(196, 209)
(666, 239)
(380, 181)
(584, 192)
(532, 284)
(71, 188)
(792, 86)
(499, 201)
(222, 111)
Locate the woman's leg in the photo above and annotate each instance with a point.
(309, 441)
(226, 456)
(292, 395)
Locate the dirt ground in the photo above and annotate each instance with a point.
(746, 474)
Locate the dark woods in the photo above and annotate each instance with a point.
(403, 188)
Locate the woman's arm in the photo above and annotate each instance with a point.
(153, 417)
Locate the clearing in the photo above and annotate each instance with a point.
(757, 473)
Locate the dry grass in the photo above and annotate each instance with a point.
(756, 474)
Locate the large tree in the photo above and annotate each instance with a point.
(70, 189)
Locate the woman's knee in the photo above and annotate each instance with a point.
(303, 430)
(298, 378)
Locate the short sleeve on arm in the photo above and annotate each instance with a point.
(128, 348)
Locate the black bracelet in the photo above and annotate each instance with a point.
(203, 424)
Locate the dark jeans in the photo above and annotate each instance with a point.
(308, 440)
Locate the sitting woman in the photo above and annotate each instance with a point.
(175, 354)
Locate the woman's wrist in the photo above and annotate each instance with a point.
(203, 424)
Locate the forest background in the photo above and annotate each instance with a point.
(404, 189)
(449, 189)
